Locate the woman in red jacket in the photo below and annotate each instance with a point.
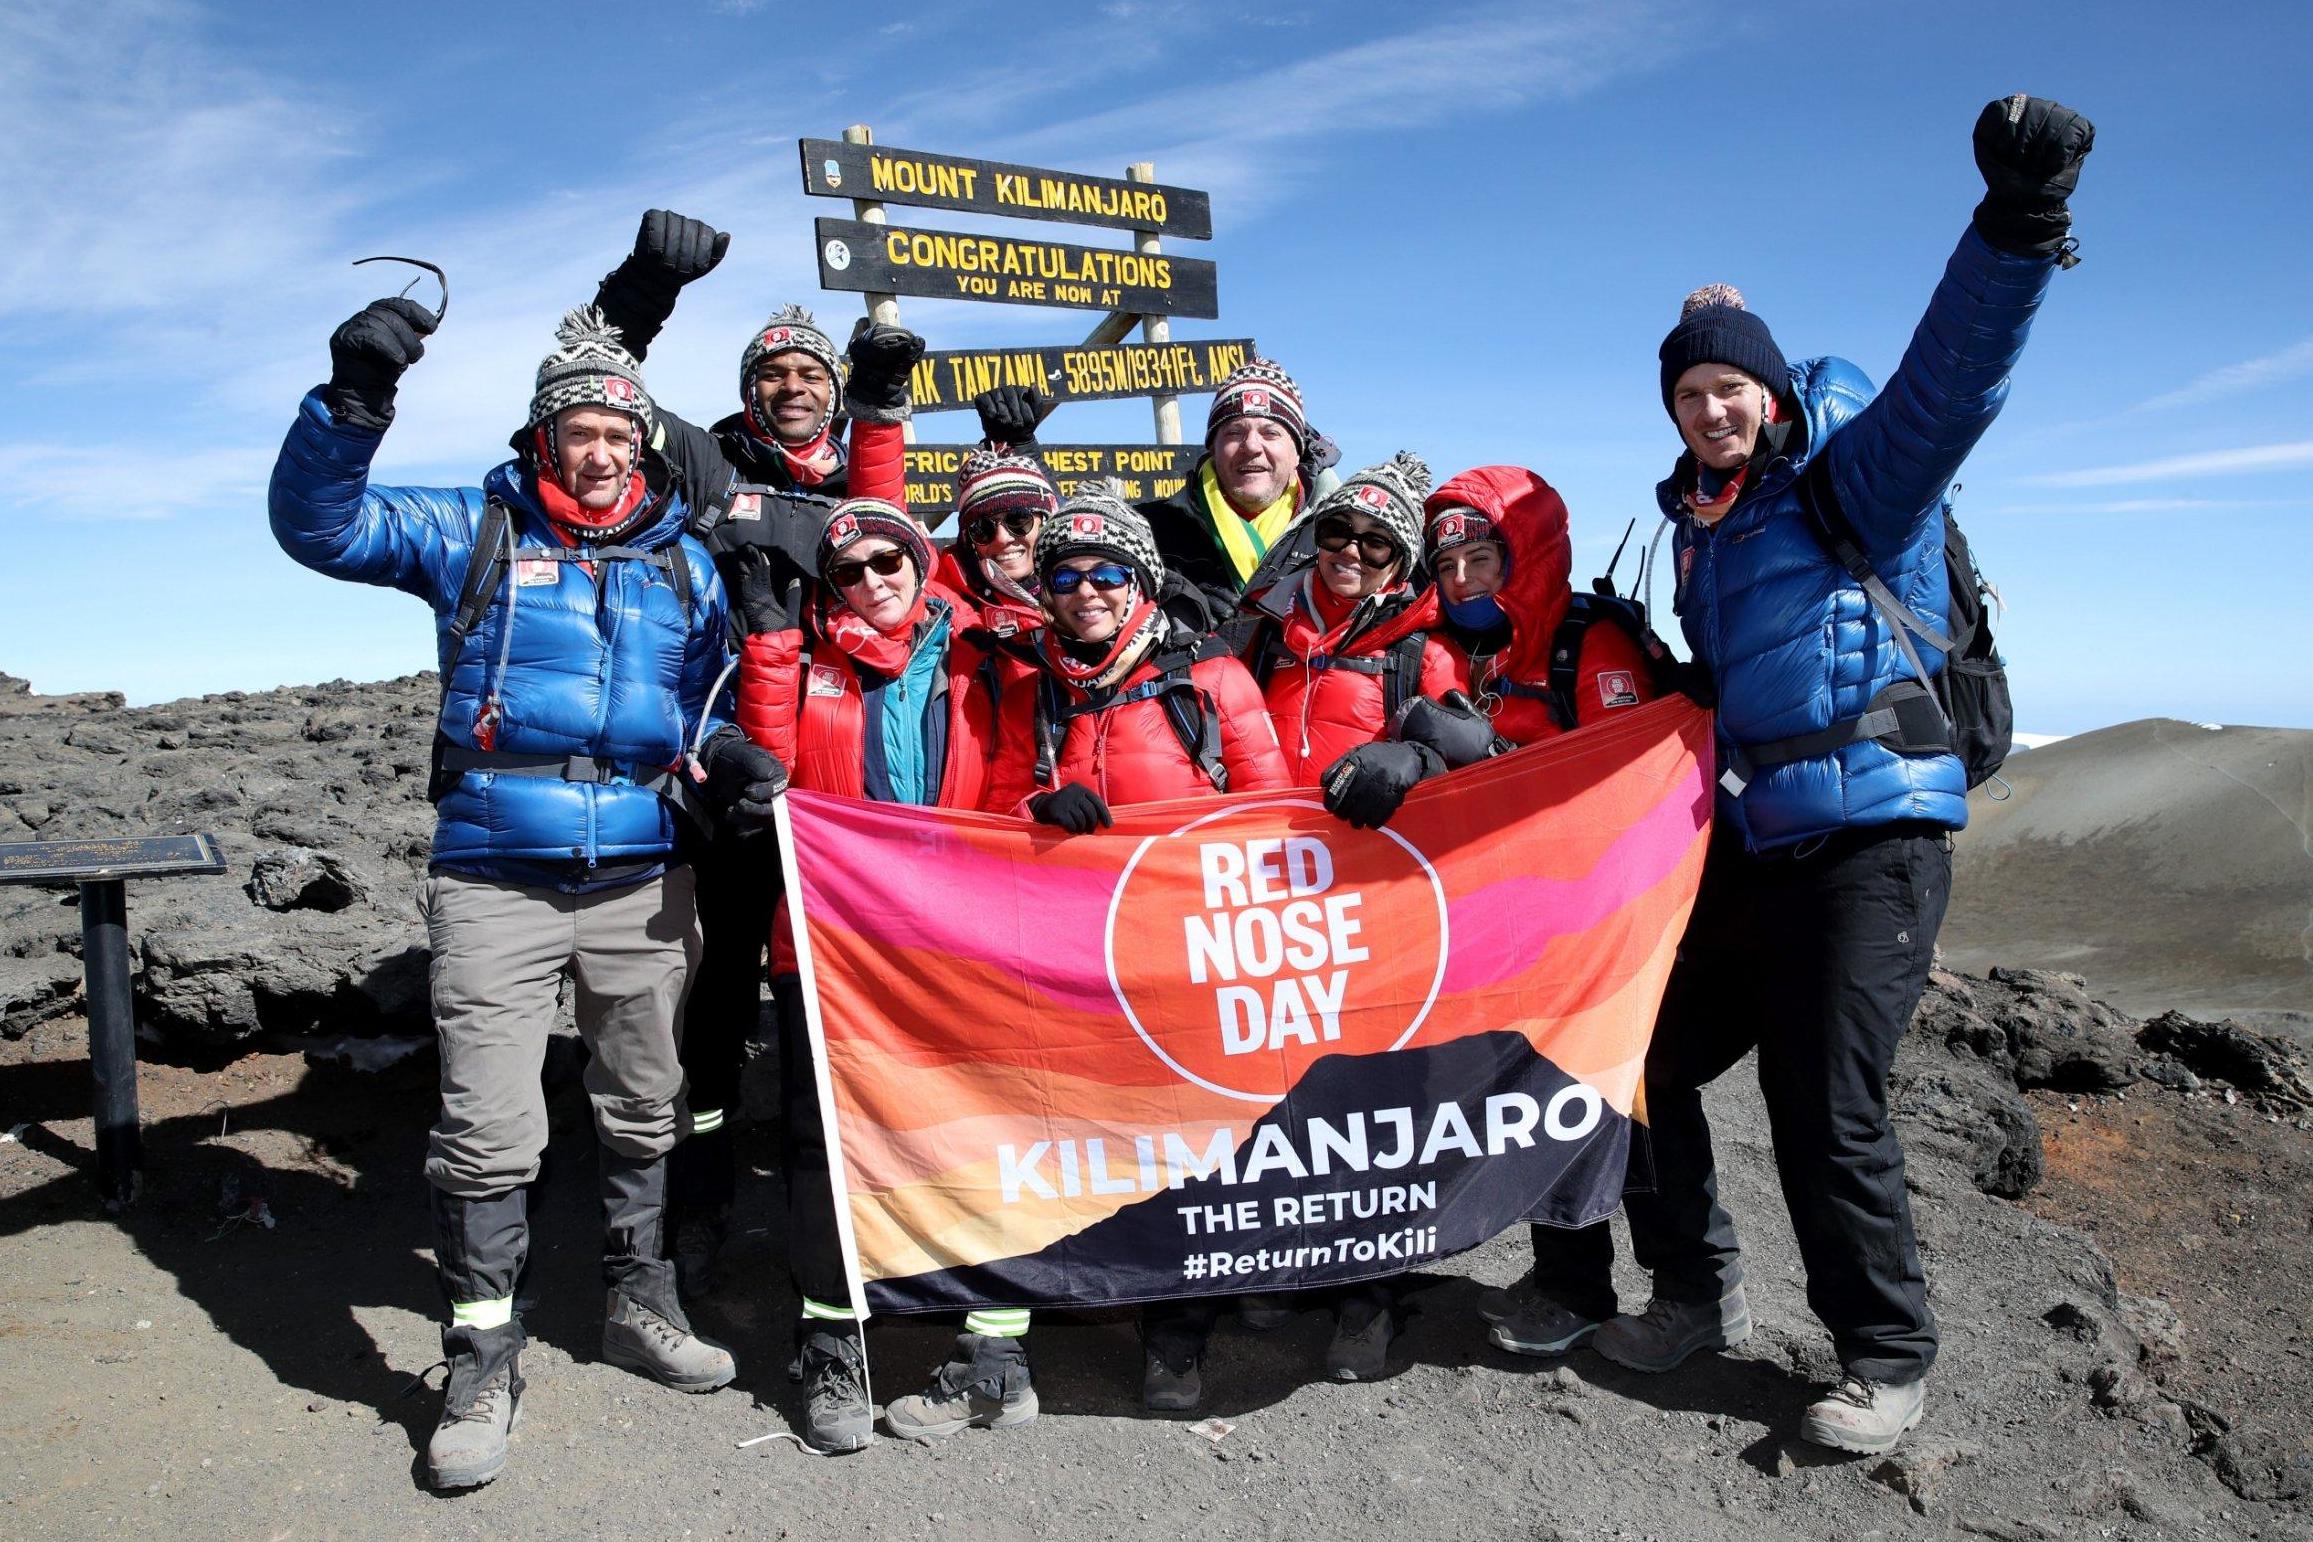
(1348, 640)
(1128, 708)
(1002, 501)
(1500, 550)
(870, 686)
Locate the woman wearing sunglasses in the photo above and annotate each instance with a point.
(1002, 501)
(1347, 642)
(876, 691)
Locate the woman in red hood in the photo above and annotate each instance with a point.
(1346, 641)
(1502, 559)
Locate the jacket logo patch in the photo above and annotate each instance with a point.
(843, 530)
(535, 572)
(1617, 688)
(825, 680)
(1088, 524)
(747, 506)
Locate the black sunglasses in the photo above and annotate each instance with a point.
(1109, 576)
(982, 530)
(844, 574)
(1374, 549)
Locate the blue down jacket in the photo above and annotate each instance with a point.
(1790, 638)
(610, 670)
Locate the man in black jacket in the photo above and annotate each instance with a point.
(759, 483)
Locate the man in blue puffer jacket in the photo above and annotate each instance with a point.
(1830, 862)
(582, 637)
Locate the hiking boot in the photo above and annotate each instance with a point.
(1172, 1379)
(1864, 1416)
(468, 1448)
(698, 1248)
(1543, 1327)
(1265, 1312)
(1361, 1335)
(1669, 1331)
(837, 1416)
(1500, 1301)
(638, 1339)
(985, 1382)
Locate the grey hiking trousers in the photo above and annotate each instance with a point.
(500, 950)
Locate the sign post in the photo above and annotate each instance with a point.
(881, 308)
(1157, 329)
(101, 869)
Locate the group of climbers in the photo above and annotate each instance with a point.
(605, 802)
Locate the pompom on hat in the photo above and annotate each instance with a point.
(1715, 328)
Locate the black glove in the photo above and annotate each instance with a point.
(1693, 681)
(367, 355)
(1009, 415)
(1072, 806)
(2029, 150)
(670, 250)
(1453, 726)
(882, 359)
(1364, 787)
(763, 595)
(743, 779)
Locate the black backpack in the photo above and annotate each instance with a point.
(1965, 711)
(1191, 713)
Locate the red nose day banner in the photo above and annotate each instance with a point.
(1233, 1044)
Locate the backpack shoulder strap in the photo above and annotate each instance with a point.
(493, 546)
(1402, 674)
(1837, 536)
(1566, 659)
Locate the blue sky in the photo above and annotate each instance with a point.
(1464, 228)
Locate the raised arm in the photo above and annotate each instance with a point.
(670, 250)
(1891, 465)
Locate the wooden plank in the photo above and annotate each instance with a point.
(1011, 270)
(946, 380)
(835, 169)
(1146, 470)
(136, 856)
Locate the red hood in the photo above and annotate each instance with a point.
(1530, 519)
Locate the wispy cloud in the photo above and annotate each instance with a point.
(2236, 379)
(2235, 462)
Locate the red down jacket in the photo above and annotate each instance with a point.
(1131, 753)
(1324, 711)
(800, 698)
(1529, 519)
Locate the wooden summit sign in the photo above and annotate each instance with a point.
(1146, 470)
(946, 380)
(954, 265)
(833, 168)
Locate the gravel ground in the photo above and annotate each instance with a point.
(189, 1370)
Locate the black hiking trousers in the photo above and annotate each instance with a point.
(738, 889)
(1816, 957)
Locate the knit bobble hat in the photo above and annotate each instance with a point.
(1096, 521)
(790, 330)
(1461, 525)
(1391, 493)
(996, 483)
(1260, 389)
(589, 367)
(1714, 328)
(855, 519)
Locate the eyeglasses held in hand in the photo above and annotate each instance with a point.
(1021, 522)
(1374, 549)
(888, 563)
(1108, 577)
